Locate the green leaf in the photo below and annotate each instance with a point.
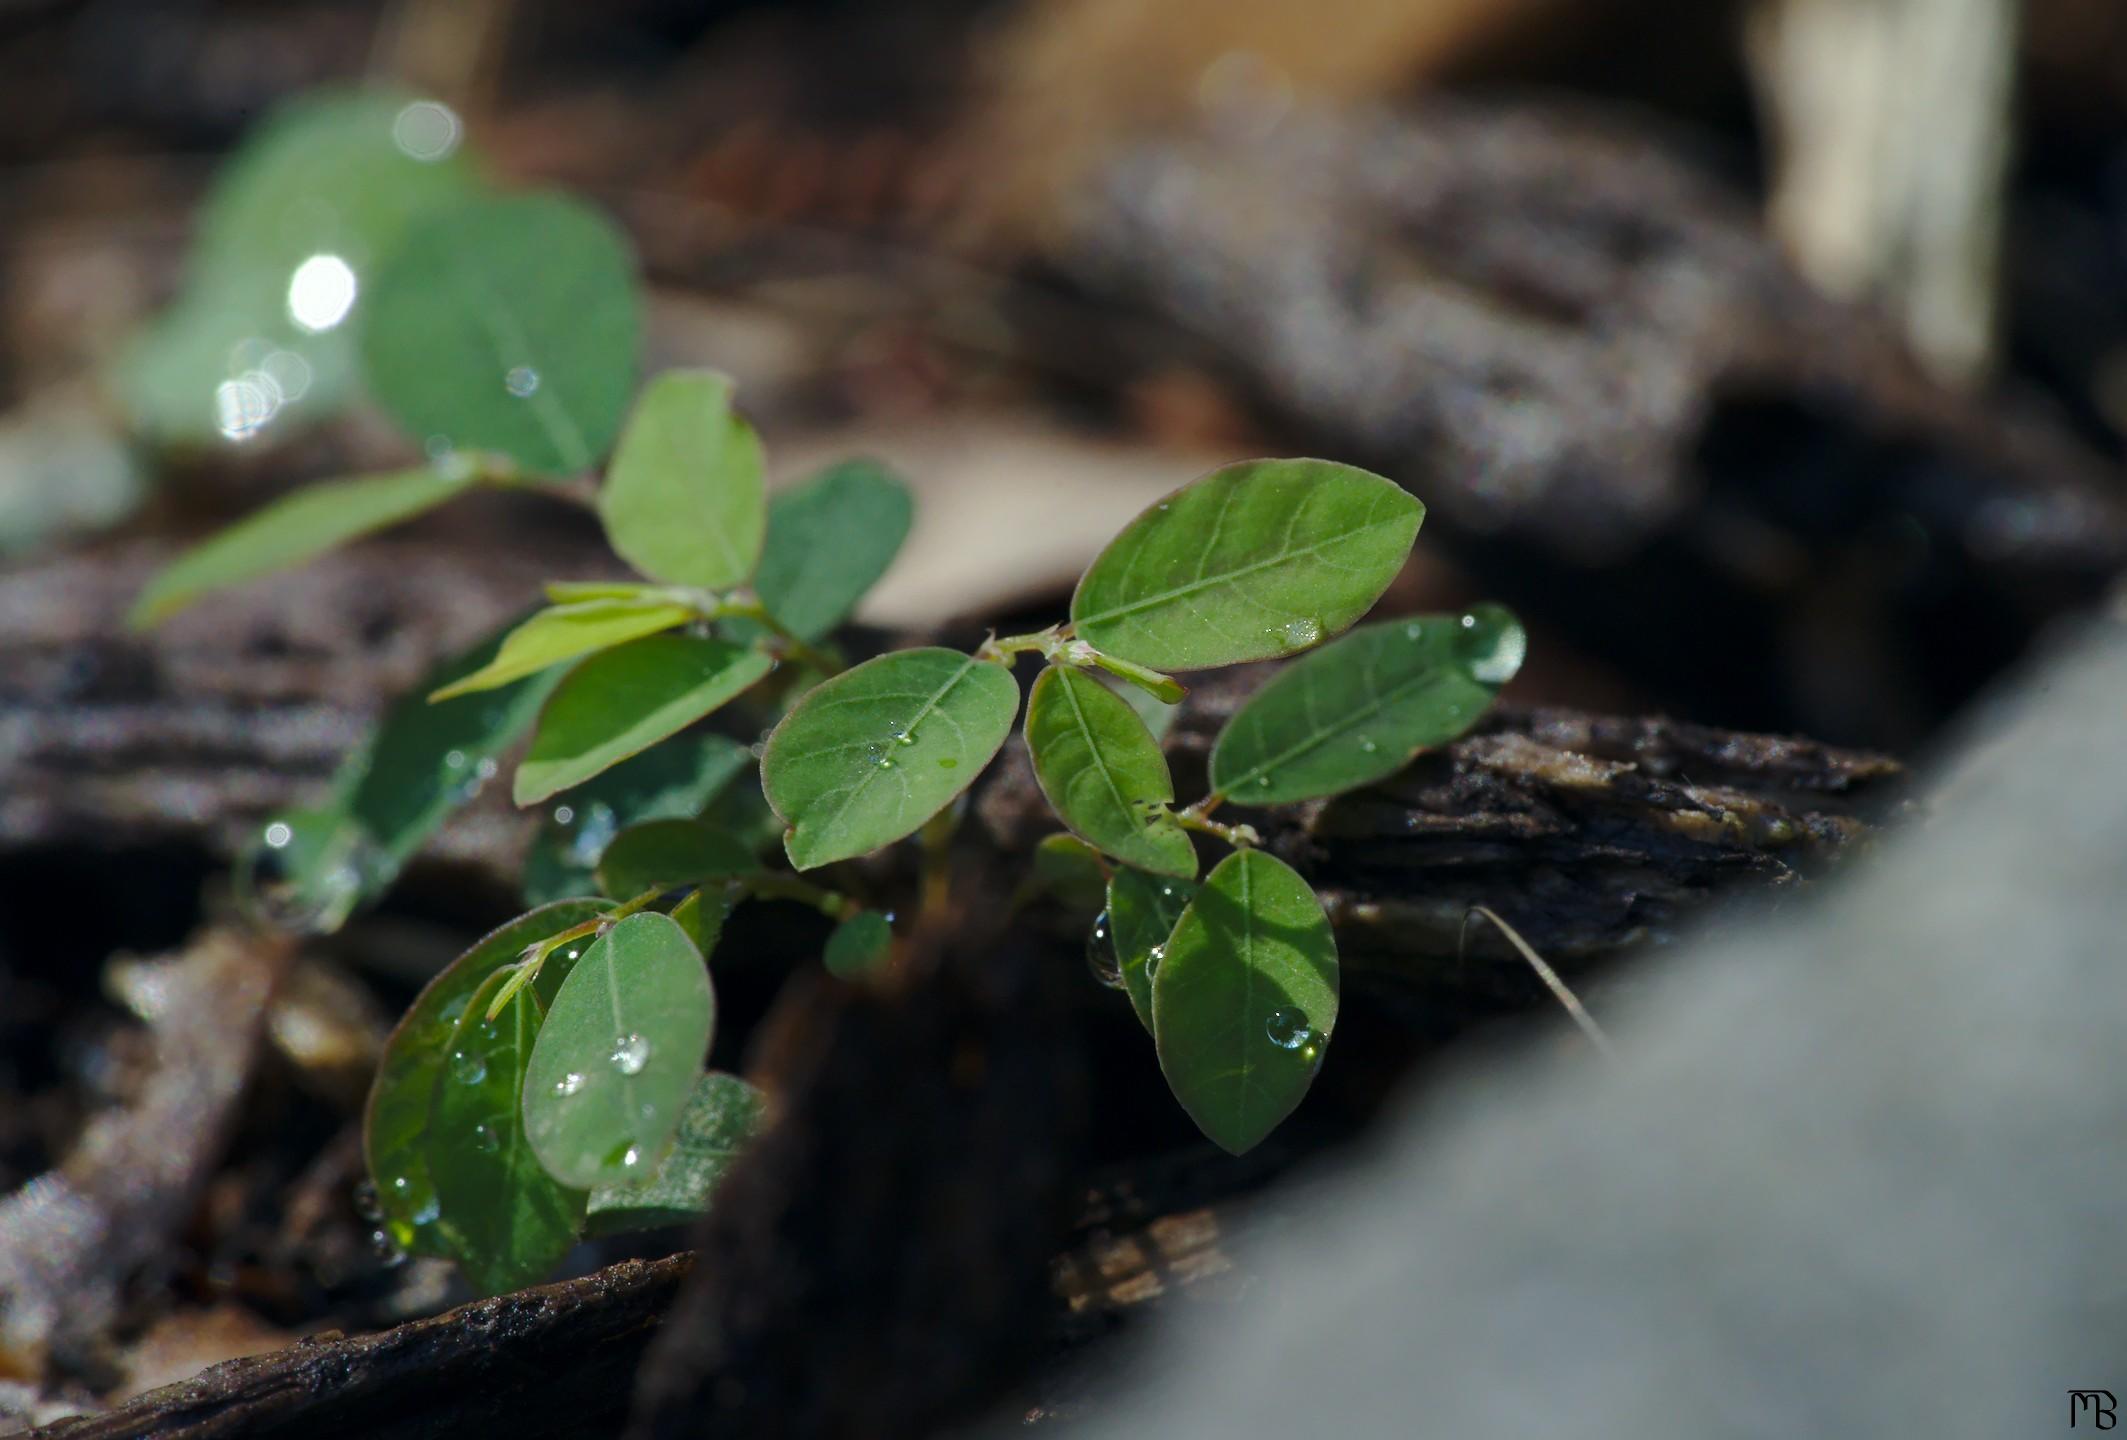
(675, 780)
(625, 700)
(292, 530)
(1251, 562)
(508, 324)
(829, 541)
(1071, 871)
(1244, 1003)
(666, 854)
(867, 757)
(1356, 711)
(721, 1119)
(1142, 913)
(1103, 773)
(683, 501)
(283, 265)
(563, 632)
(505, 1220)
(311, 869)
(702, 915)
(619, 1054)
(395, 1120)
(859, 946)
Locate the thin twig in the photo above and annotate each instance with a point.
(1545, 973)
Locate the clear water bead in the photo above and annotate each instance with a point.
(1299, 633)
(468, 1068)
(630, 1053)
(522, 381)
(1100, 954)
(568, 1084)
(1287, 1029)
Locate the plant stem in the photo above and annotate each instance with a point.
(936, 838)
(1197, 817)
(748, 606)
(774, 885)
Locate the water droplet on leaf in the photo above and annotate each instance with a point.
(568, 1084)
(485, 1140)
(1490, 644)
(630, 1054)
(468, 1068)
(1288, 1029)
(386, 1249)
(1100, 954)
(522, 381)
(1302, 633)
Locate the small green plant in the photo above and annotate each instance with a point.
(550, 1080)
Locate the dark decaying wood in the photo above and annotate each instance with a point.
(1627, 412)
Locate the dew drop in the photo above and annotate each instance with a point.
(428, 1211)
(904, 737)
(1100, 954)
(1152, 960)
(886, 762)
(1288, 1029)
(467, 1068)
(1263, 781)
(1302, 633)
(1491, 644)
(1413, 631)
(522, 381)
(366, 1203)
(485, 1140)
(386, 1249)
(1366, 744)
(630, 1053)
(568, 1084)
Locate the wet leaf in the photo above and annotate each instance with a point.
(625, 700)
(1251, 562)
(284, 262)
(1142, 913)
(859, 946)
(508, 324)
(563, 632)
(1244, 1003)
(292, 530)
(675, 780)
(829, 541)
(683, 501)
(619, 1054)
(395, 1121)
(867, 757)
(721, 1119)
(1356, 711)
(505, 1220)
(1103, 773)
(667, 854)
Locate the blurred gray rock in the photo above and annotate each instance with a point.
(1862, 1173)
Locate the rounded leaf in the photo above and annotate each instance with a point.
(619, 1054)
(865, 758)
(722, 1116)
(829, 541)
(1356, 711)
(623, 701)
(1244, 1002)
(860, 946)
(684, 499)
(508, 324)
(1104, 774)
(1142, 913)
(666, 854)
(1253, 561)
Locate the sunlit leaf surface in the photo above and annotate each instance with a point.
(563, 632)
(1103, 773)
(683, 501)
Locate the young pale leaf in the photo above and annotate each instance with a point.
(619, 1054)
(666, 854)
(860, 946)
(1142, 913)
(672, 781)
(1244, 1002)
(867, 757)
(1103, 773)
(1251, 562)
(309, 870)
(292, 530)
(683, 499)
(505, 1220)
(722, 1116)
(508, 324)
(1356, 711)
(395, 1121)
(287, 247)
(829, 541)
(563, 632)
(625, 700)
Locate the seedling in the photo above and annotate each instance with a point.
(551, 1079)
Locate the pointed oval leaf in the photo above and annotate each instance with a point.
(722, 1116)
(505, 1220)
(509, 324)
(702, 915)
(623, 701)
(1356, 711)
(620, 1051)
(1142, 913)
(295, 529)
(829, 541)
(684, 499)
(1244, 1003)
(666, 854)
(1251, 562)
(563, 632)
(867, 757)
(859, 946)
(675, 780)
(395, 1120)
(1103, 773)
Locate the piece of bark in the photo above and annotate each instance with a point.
(1626, 411)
